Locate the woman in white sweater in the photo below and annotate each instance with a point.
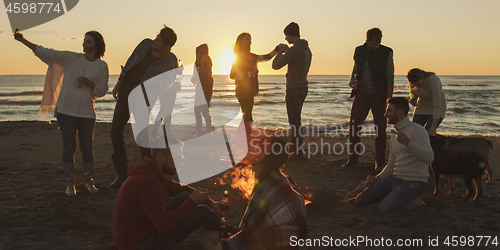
(427, 95)
(72, 84)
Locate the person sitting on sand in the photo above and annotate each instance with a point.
(401, 183)
(276, 211)
(143, 219)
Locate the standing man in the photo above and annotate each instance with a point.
(402, 182)
(372, 82)
(298, 57)
(150, 58)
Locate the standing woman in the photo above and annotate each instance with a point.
(244, 71)
(204, 68)
(72, 84)
(428, 98)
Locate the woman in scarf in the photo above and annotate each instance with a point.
(426, 94)
(244, 71)
(73, 83)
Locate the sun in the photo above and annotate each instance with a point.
(223, 62)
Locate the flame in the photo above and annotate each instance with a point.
(307, 195)
(242, 178)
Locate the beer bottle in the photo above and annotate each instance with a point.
(223, 229)
(224, 206)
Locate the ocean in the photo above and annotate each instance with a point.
(473, 103)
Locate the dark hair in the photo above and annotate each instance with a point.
(292, 29)
(276, 157)
(400, 103)
(237, 46)
(100, 45)
(201, 50)
(374, 34)
(157, 151)
(168, 36)
(416, 74)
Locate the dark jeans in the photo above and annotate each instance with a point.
(294, 101)
(120, 120)
(246, 104)
(200, 216)
(396, 194)
(69, 126)
(425, 121)
(362, 104)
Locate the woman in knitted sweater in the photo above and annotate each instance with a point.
(429, 100)
(73, 83)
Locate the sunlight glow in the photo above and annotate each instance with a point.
(223, 62)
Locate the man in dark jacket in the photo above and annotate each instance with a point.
(150, 58)
(144, 219)
(372, 82)
(298, 57)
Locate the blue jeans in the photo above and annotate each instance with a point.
(425, 121)
(396, 194)
(294, 101)
(69, 126)
(199, 216)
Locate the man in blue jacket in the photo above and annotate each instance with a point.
(150, 58)
(298, 57)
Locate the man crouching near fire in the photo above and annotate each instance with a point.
(402, 181)
(145, 219)
(276, 211)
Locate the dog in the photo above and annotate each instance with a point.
(469, 164)
(479, 145)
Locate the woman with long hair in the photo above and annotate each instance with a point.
(426, 94)
(204, 89)
(73, 83)
(245, 73)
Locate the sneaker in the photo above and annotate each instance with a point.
(350, 164)
(379, 165)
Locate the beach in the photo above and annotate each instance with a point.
(36, 214)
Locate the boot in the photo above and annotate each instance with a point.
(69, 172)
(121, 166)
(88, 171)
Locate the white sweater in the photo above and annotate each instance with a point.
(410, 163)
(72, 100)
(431, 100)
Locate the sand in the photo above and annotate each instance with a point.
(36, 214)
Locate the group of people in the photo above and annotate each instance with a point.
(402, 180)
(146, 218)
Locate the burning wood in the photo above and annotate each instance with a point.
(307, 195)
(241, 178)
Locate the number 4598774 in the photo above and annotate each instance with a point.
(33, 8)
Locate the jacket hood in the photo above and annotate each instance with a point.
(147, 166)
(303, 43)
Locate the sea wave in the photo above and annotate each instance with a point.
(23, 93)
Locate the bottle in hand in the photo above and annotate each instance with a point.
(80, 75)
(223, 229)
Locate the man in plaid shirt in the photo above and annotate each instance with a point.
(276, 211)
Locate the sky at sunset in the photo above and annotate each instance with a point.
(449, 37)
